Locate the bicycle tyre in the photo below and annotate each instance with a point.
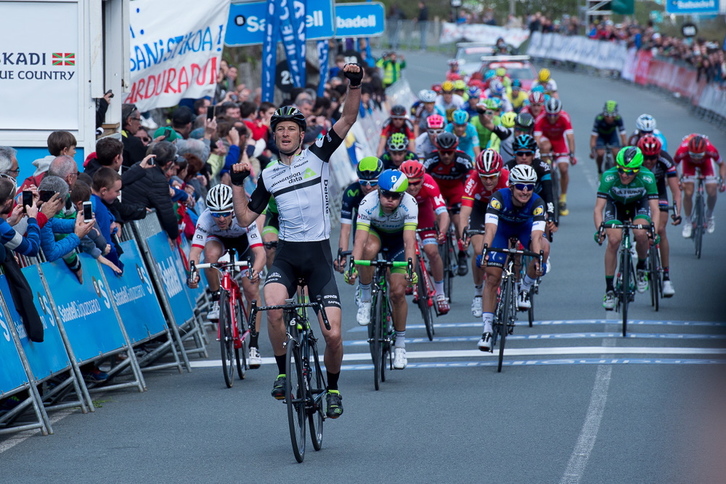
(316, 412)
(698, 232)
(555, 189)
(507, 305)
(423, 302)
(530, 311)
(654, 277)
(240, 354)
(376, 326)
(626, 269)
(445, 252)
(296, 399)
(226, 342)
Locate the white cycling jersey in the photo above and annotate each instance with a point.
(301, 191)
(206, 226)
(370, 214)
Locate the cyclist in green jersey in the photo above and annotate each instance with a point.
(627, 191)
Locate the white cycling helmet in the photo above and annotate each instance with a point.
(645, 123)
(219, 198)
(553, 105)
(522, 174)
(427, 96)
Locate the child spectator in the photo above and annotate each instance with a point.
(105, 189)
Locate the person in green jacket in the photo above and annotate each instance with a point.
(391, 65)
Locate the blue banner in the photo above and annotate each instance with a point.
(298, 24)
(289, 41)
(269, 52)
(687, 7)
(323, 50)
(50, 356)
(171, 282)
(12, 373)
(135, 297)
(85, 309)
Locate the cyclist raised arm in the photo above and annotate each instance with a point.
(626, 193)
(299, 183)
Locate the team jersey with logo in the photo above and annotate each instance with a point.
(371, 214)
(642, 186)
(502, 209)
(476, 196)
(351, 199)
(206, 226)
(553, 131)
(605, 129)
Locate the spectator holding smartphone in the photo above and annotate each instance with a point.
(105, 190)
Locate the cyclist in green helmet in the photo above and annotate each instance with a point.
(397, 152)
(608, 130)
(627, 192)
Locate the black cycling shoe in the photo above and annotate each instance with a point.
(334, 402)
(463, 268)
(278, 389)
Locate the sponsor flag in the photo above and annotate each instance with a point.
(61, 59)
(323, 50)
(298, 24)
(289, 41)
(269, 51)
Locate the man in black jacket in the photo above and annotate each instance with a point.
(152, 190)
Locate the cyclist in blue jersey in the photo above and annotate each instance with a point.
(471, 103)
(468, 137)
(514, 212)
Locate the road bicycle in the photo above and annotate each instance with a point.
(625, 284)
(448, 252)
(305, 386)
(699, 213)
(608, 160)
(381, 334)
(424, 292)
(655, 269)
(506, 309)
(233, 328)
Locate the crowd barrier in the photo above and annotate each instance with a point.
(109, 318)
(637, 66)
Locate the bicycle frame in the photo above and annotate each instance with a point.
(424, 291)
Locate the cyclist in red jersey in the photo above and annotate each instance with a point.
(397, 123)
(431, 208)
(536, 104)
(697, 152)
(488, 176)
(450, 167)
(556, 139)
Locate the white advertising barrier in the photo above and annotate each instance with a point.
(629, 68)
(41, 69)
(594, 53)
(174, 60)
(481, 33)
(713, 98)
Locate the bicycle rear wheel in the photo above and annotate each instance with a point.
(240, 354)
(446, 252)
(375, 337)
(423, 302)
(295, 399)
(699, 219)
(226, 342)
(316, 412)
(504, 316)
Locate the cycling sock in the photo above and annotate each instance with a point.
(709, 213)
(439, 287)
(527, 283)
(365, 293)
(333, 380)
(253, 340)
(488, 319)
(400, 339)
(280, 360)
(609, 283)
(641, 264)
(478, 289)
(666, 274)
(563, 197)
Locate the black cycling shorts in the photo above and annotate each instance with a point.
(625, 212)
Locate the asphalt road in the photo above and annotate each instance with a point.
(575, 403)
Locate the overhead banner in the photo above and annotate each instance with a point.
(40, 69)
(481, 33)
(171, 60)
(692, 7)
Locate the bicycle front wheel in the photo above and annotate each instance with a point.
(700, 219)
(654, 277)
(296, 399)
(226, 341)
(316, 412)
(241, 349)
(423, 302)
(375, 337)
(530, 311)
(626, 267)
(506, 313)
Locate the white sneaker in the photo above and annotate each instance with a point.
(255, 360)
(213, 314)
(711, 227)
(476, 307)
(523, 301)
(364, 313)
(687, 229)
(608, 302)
(399, 358)
(485, 343)
(642, 279)
(668, 290)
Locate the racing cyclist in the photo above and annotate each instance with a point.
(514, 212)
(471, 103)
(425, 108)
(517, 96)
(488, 176)
(386, 220)
(448, 101)
(556, 140)
(626, 192)
(217, 231)
(544, 79)
(645, 124)
(397, 152)
(431, 208)
(535, 105)
(608, 130)
(468, 137)
(664, 172)
(426, 142)
(397, 123)
(450, 167)
(299, 182)
(697, 153)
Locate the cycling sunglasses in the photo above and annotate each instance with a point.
(523, 153)
(435, 131)
(369, 183)
(696, 156)
(221, 214)
(415, 182)
(391, 195)
(524, 187)
(625, 171)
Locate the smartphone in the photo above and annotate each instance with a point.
(87, 212)
(46, 195)
(27, 199)
(109, 92)
(210, 112)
